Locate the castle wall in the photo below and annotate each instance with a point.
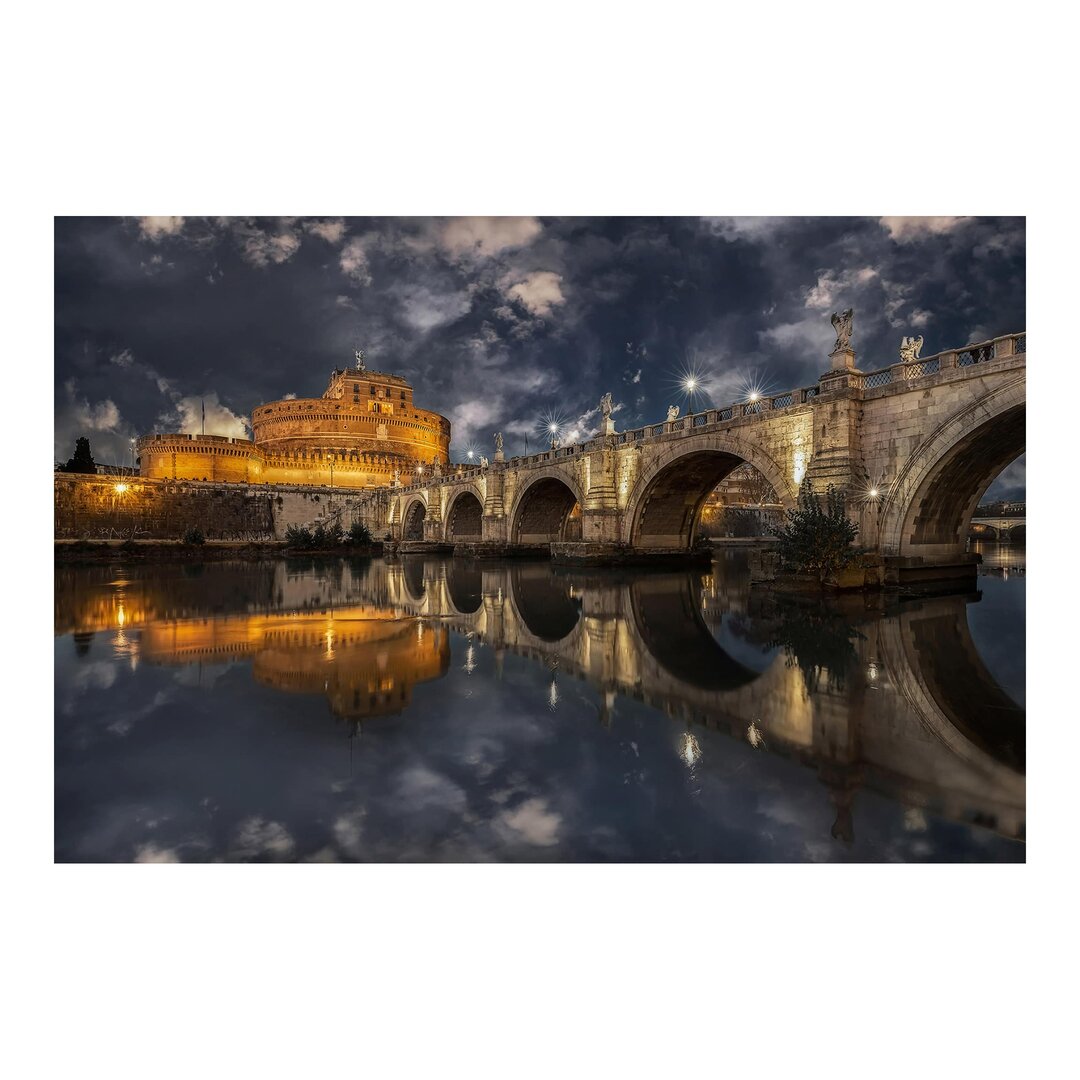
(414, 435)
(100, 507)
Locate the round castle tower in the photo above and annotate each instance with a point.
(363, 429)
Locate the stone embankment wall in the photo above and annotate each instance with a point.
(109, 507)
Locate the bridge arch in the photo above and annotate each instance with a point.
(929, 506)
(544, 509)
(666, 501)
(412, 518)
(465, 514)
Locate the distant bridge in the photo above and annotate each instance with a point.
(1001, 526)
(914, 446)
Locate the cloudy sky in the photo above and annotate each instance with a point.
(500, 322)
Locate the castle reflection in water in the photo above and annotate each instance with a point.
(894, 697)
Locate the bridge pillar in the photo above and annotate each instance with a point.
(837, 458)
(433, 519)
(600, 518)
(493, 523)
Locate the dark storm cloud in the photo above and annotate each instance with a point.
(497, 321)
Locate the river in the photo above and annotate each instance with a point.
(437, 709)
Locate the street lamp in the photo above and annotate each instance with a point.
(690, 387)
(132, 440)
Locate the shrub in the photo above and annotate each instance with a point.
(359, 534)
(818, 539)
(298, 537)
(194, 536)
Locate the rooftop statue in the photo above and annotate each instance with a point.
(605, 406)
(909, 349)
(359, 360)
(842, 326)
(498, 442)
(672, 413)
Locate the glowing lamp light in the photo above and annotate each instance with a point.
(553, 428)
(754, 396)
(690, 385)
(873, 493)
(120, 489)
(470, 455)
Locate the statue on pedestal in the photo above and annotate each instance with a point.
(484, 463)
(842, 326)
(672, 413)
(359, 354)
(498, 442)
(607, 425)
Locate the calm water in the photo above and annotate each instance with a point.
(438, 709)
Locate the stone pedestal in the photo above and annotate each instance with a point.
(843, 360)
(607, 427)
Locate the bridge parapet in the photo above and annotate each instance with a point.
(999, 348)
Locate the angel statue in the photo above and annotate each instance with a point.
(498, 442)
(672, 413)
(484, 463)
(842, 326)
(605, 406)
(909, 349)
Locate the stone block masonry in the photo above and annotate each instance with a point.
(97, 507)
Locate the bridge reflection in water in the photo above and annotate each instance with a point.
(895, 699)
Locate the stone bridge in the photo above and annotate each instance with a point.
(913, 446)
(1000, 526)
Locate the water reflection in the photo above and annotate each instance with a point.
(891, 699)
(1000, 559)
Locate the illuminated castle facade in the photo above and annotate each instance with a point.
(359, 434)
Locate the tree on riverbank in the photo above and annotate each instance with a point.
(818, 539)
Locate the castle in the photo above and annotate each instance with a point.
(364, 432)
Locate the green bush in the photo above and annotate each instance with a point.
(818, 539)
(298, 537)
(194, 536)
(359, 534)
